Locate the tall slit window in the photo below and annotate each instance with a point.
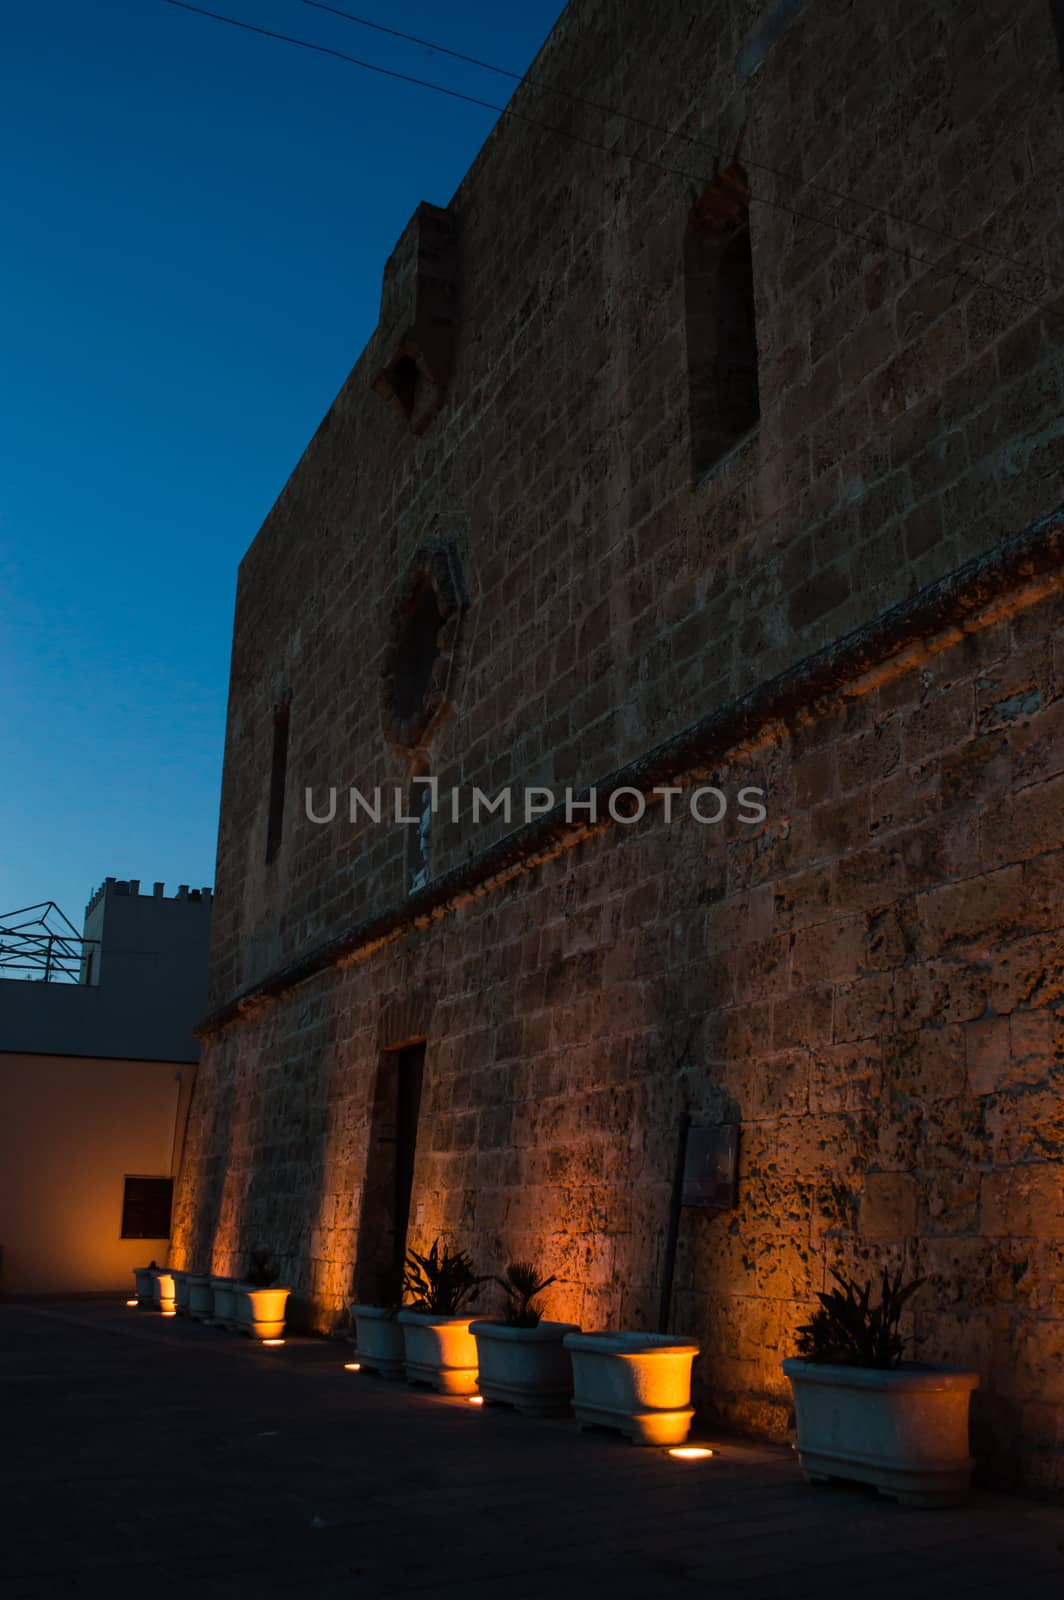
(278, 777)
(418, 834)
(723, 395)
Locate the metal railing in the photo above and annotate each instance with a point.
(39, 944)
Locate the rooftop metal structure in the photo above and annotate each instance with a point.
(40, 944)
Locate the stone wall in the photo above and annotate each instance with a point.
(910, 416)
(870, 984)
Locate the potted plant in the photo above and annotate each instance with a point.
(438, 1348)
(259, 1303)
(200, 1295)
(143, 1277)
(162, 1288)
(378, 1336)
(223, 1302)
(180, 1278)
(865, 1414)
(638, 1383)
(521, 1359)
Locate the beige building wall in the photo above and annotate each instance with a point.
(71, 1129)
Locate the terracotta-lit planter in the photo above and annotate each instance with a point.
(200, 1295)
(162, 1291)
(260, 1312)
(180, 1291)
(528, 1368)
(223, 1302)
(145, 1281)
(378, 1340)
(638, 1383)
(439, 1351)
(905, 1431)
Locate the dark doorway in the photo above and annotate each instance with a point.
(389, 1175)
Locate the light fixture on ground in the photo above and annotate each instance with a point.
(352, 1366)
(690, 1452)
(476, 1399)
(271, 1341)
(132, 1302)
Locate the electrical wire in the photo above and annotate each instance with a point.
(594, 144)
(669, 133)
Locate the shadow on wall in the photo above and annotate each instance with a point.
(204, 1167)
(269, 1166)
(304, 1157)
(286, 1156)
(225, 1259)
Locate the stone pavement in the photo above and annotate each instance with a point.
(148, 1455)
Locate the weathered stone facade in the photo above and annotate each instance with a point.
(870, 982)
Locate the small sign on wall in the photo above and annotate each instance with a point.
(711, 1167)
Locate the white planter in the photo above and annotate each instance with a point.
(144, 1279)
(260, 1312)
(378, 1340)
(162, 1288)
(223, 1302)
(528, 1368)
(638, 1383)
(200, 1296)
(439, 1351)
(180, 1291)
(905, 1431)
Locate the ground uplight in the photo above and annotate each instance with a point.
(352, 1366)
(690, 1452)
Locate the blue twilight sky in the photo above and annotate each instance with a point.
(195, 221)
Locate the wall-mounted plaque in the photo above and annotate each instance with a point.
(711, 1166)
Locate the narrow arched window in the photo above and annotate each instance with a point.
(723, 397)
(418, 826)
(278, 780)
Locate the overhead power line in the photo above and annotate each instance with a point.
(670, 133)
(595, 144)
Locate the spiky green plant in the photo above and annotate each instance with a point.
(849, 1330)
(441, 1282)
(521, 1283)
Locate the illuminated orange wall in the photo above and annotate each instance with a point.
(869, 985)
(71, 1129)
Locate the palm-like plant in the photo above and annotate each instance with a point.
(849, 1330)
(521, 1284)
(441, 1282)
